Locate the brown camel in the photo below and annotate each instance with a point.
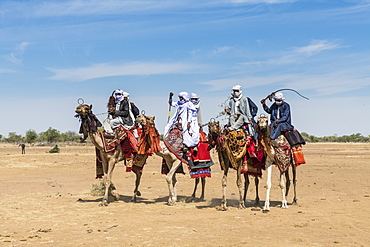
(218, 141)
(89, 125)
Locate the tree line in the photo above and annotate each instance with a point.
(358, 137)
(53, 135)
(50, 136)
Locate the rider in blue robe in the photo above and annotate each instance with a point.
(280, 116)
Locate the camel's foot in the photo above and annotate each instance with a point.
(115, 195)
(284, 204)
(192, 198)
(171, 202)
(201, 199)
(241, 205)
(104, 203)
(266, 208)
(295, 201)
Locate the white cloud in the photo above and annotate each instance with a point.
(262, 1)
(16, 55)
(317, 46)
(137, 68)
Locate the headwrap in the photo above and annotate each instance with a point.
(279, 97)
(126, 95)
(118, 98)
(185, 96)
(237, 88)
(196, 98)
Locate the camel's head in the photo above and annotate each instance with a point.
(83, 110)
(263, 122)
(214, 127)
(144, 120)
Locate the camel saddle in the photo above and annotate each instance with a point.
(111, 144)
(235, 144)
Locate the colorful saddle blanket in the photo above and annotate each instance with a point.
(174, 143)
(235, 144)
(282, 153)
(111, 144)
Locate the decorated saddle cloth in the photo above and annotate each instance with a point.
(199, 159)
(174, 143)
(110, 144)
(254, 165)
(149, 140)
(236, 148)
(282, 153)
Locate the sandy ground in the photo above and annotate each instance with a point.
(46, 201)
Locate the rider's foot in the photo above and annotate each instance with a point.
(108, 136)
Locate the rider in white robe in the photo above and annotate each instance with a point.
(186, 115)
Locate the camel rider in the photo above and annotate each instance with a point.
(124, 114)
(195, 99)
(241, 111)
(280, 115)
(186, 117)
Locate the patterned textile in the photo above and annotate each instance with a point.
(235, 146)
(149, 140)
(200, 172)
(282, 153)
(298, 156)
(254, 165)
(110, 144)
(98, 165)
(173, 142)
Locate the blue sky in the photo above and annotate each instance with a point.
(54, 52)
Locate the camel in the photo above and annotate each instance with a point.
(89, 125)
(173, 164)
(217, 140)
(264, 139)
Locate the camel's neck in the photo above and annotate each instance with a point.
(266, 142)
(96, 140)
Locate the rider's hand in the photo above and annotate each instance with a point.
(227, 111)
(188, 126)
(276, 121)
(263, 101)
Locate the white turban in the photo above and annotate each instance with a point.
(194, 96)
(237, 87)
(185, 95)
(279, 96)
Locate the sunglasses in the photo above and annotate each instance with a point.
(118, 94)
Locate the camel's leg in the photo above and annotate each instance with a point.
(174, 184)
(170, 178)
(266, 207)
(195, 189)
(224, 183)
(246, 186)
(287, 183)
(137, 183)
(295, 200)
(284, 203)
(240, 186)
(108, 172)
(257, 202)
(203, 188)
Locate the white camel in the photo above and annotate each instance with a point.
(172, 162)
(262, 127)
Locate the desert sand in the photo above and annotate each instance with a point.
(46, 201)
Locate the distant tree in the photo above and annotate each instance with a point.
(31, 136)
(1, 137)
(51, 135)
(69, 136)
(13, 138)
